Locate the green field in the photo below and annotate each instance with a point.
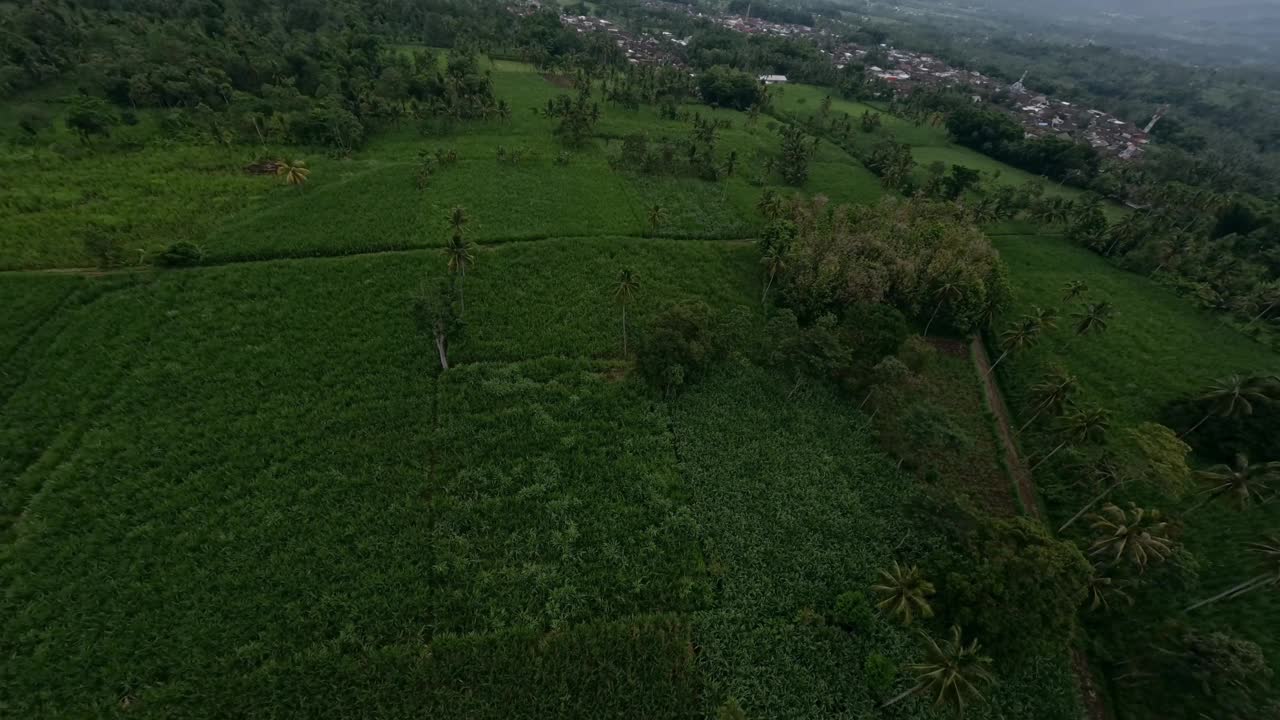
(247, 488)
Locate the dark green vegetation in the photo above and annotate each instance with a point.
(690, 451)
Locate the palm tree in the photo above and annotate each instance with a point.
(293, 173)
(657, 216)
(1046, 317)
(1269, 553)
(458, 250)
(1102, 589)
(1074, 289)
(904, 593)
(950, 673)
(1093, 318)
(1106, 474)
(1085, 425)
(946, 291)
(624, 292)
(769, 204)
(1243, 482)
(1052, 394)
(1135, 534)
(775, 262)
(1234, 396)
(1021, 334)
(457, 219)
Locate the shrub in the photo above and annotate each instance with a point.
(182, 254)
(879, 672)
(105, 246)
(917, 354)
(853, 612)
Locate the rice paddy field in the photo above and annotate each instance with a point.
(246, 489)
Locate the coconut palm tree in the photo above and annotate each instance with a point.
(1074, 289)
(769, 204)
(1046, 317)
(624, 293)
(1234, 396)
(1051, 394)
(1243, 482)
(657, 216)
(775, 263)
(948, 290)
(1135, 534)
(1103, 589)
(1093, 318)
(1021, 334)
(950, 673)
(293, 173)
(1084, 425)
(457, 219)
(1268, 552)
(458, 250)
(904, 593)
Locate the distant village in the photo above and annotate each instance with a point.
(904, 70)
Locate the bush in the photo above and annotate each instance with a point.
(678, 347)
(182, 254)
(879, 672)
(105, 246)
(853, 612)
(917, 354)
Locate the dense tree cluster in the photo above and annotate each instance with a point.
(902, 252)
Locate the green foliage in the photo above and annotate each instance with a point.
(1206, 673)
(90, 116)
(893, 252)
(1022, 590)
(723, 86)
(677, 347)
(880, 672)
(181, 254)
(853, 612)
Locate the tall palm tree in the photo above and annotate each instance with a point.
(458, 250)
(624, 293)
(1051, 394)
(1105, 473)
(948, 290)
(775, 262)
(1074, 289)
(1234, 396)
(1135, 534)
(904, 593)
(657, 216)
(1021, 334)
(950, 673)
(293, 173)
(1243, 482)
(1084, 425)
(1268, 552)
(1093, 318)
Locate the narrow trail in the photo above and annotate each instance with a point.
(371, 252)
(1095, 707)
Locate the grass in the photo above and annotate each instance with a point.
(1157, 348)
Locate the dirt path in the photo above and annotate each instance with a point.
(1094, 704)
(1012, 458)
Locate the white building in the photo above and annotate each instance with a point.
(773, 79)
